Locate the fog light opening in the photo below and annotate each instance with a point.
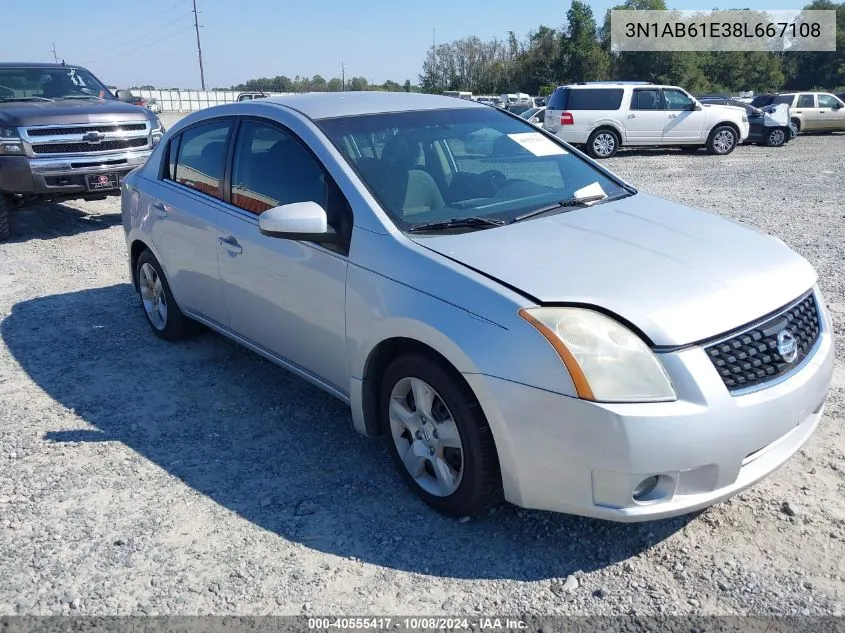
(645, 487)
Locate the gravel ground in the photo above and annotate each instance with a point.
(138, 476)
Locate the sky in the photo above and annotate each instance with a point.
(154, 42)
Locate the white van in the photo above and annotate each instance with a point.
(604, 116)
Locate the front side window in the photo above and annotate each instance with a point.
(50, 84)
(201, 157)
(806, 101)
(646, 100)
(828, 101)
(271, 168)
(677, 100)
(439, 165)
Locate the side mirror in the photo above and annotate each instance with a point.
(124, 94)
(305, 221)
(837, 106)
(696, 106)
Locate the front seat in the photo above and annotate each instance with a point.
(406, 186)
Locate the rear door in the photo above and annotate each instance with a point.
(807, 108)
(682, 123)
(183, 212)
(646, 117)
(831, 112)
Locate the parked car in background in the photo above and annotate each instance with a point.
(841, 96)
(249, 96)
(764, 129)
(519, 108)
(154, 106)
(534, 115)
(607, 116)
(523, 324)
(815, 111)
(64, 136)
(128, 97)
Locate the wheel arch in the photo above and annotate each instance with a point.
(614, 127)
(135, 249)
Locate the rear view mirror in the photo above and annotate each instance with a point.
(297, 221)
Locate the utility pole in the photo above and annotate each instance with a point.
(55, 57)
(343, 77)
(199, 46)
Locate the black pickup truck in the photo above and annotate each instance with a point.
(64, 135)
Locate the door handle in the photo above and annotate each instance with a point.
(231, 245)
(160, 210)
(672, 116)
(822, 111)
(632, 116)
(797, 111)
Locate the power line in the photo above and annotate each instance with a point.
(134, 25)
(140, 37)
(145, 44)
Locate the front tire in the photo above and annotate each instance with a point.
(722, 140)
(603, 143)
(776, 138)
(5, 217)
(438, 436)
(159, 306)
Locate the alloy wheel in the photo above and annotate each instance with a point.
(152, 296)
(723, 141)
(604, 144)
(426, 437)
(777, 137)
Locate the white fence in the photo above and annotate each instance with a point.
(190, 100)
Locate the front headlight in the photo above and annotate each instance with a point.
(156, 131)
(607, 362)
(10, 141)
(745, 118)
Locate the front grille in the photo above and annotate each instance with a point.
(78, 148)
(58, 131)
(751, 357)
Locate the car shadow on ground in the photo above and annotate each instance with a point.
(49, 220)
(277, 451)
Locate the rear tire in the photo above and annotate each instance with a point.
(722, 140)
(157, 302)
(797, 124)
(603, 143)
(5, 217)
(442, 447)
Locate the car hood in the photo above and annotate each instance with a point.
(68, 112)
(678, 274)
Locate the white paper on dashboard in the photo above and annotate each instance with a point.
(589, 191)
(537, 144)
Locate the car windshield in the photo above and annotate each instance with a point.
(438, 165)
(52, 83)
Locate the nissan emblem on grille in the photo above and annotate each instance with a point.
(787, 346)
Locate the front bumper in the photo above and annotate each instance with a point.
(563, 454)
(65, 176)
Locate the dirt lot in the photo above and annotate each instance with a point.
(138, 476)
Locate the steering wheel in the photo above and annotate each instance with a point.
(496, 178)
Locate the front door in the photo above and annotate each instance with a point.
(831, 112)
(682, 122)
(285, 296)
(806, 107)
(646, 118)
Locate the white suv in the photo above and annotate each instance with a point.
(606, 116)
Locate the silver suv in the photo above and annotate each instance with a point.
(604, 116)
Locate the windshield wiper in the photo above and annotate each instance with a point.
(575, 202)
(24, 99)
(80, 97)
(472, 222)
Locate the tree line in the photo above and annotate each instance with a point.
(317, 83)
(580, 51)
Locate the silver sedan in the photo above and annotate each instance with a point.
(515, 320)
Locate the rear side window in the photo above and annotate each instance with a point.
(646, 100)
(202, 156)
(806, 101)
(595, 99)
(558, 99)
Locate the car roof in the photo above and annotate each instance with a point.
(324, 105)
(36, 65)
